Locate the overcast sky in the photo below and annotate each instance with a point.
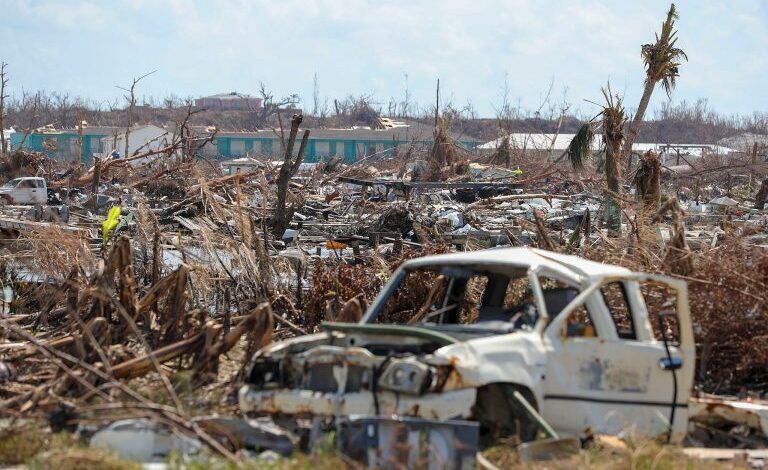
(206, 47)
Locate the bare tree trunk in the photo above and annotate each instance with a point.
(282, 217)
(613, 181)
(35, 108)
(648, 180)
(131, 98)
(634, 126)
(3, 83)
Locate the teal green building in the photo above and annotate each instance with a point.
(352, 144)
(63, 144)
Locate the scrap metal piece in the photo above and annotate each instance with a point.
(257, 434)
(410, 442)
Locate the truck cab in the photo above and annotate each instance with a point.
(594, 348)
(25, 191)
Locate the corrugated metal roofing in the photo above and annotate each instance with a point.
(535, 141)
(560, 142)
(228, 96)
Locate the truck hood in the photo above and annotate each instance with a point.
(395, 338)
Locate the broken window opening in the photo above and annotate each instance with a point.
(615, 298)
(660, 302)
(482, 299)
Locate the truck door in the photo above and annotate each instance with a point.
(39, 192)
(24, 192)
(605, 371)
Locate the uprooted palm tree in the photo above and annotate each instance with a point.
(613, 120)
(662, 61)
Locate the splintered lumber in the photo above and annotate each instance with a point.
(408, 185)
(258, 324)
(9, 223)
(142, 365)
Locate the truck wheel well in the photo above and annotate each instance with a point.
(501, 416)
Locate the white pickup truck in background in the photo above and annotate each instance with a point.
(26, 190)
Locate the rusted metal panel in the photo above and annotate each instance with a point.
(752, 414)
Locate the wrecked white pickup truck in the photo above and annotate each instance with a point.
(25, 190)
(574, 337)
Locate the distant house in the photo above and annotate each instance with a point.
(141, 139)
(64, 144)
(228, 102)
(553, 146)
(353, 144)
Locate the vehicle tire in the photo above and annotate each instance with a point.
(501, 416)
(6, 200)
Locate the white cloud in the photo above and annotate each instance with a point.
(358, 46)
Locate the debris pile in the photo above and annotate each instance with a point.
(147, 301)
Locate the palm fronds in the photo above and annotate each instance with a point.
(662, 58)
(613, 118)
(581, 146)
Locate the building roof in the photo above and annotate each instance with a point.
(87, 130)
(233, 95)
(560, 142)
(402, 133)
(685, 149)
(537, 141)
(90, 130)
